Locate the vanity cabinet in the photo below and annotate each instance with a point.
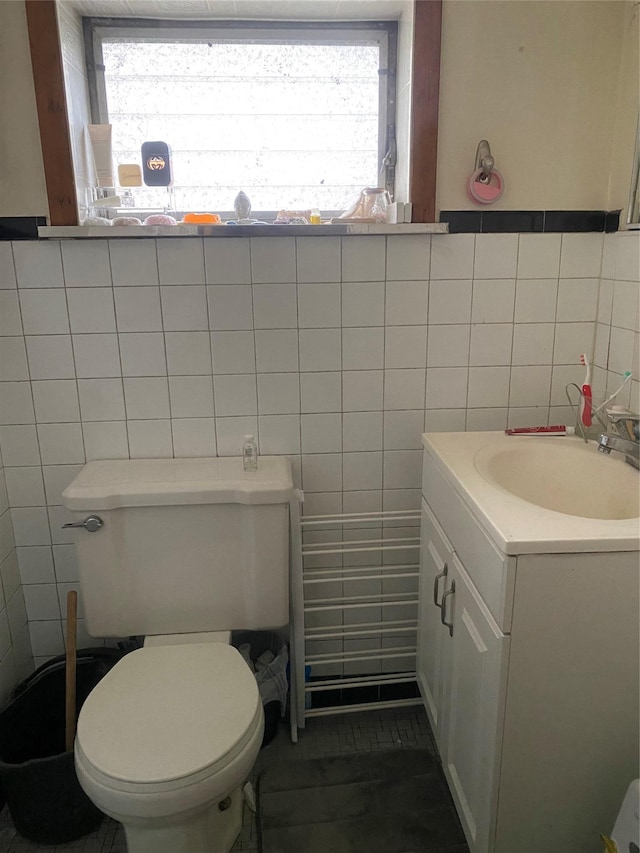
(528, 668)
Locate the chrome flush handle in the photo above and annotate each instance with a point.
(91, 523)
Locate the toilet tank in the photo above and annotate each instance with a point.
(186, 545)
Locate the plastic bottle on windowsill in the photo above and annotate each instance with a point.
(314, 217)
(249, 454)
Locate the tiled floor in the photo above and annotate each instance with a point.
(402, 728)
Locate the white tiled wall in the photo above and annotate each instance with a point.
(335, 352)
(617, 343)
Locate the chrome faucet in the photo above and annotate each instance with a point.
(623, 435)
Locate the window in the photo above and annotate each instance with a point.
(296, 115)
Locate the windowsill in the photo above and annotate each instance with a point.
(58, 232)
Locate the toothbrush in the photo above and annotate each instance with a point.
(586, 399)
(626, 377)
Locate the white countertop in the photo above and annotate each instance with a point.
(516, 525)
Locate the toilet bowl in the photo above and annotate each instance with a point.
(165, 742)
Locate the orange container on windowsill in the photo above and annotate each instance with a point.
(202, 219)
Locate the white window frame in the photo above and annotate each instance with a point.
(384, 33)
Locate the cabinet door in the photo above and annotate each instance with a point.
(475, 686)
(435, 559)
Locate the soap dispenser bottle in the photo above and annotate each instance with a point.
(249, 454)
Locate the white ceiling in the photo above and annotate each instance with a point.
(292, 10)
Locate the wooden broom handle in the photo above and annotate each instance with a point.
(70, 694)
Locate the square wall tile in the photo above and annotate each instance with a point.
(626, 305)
(318, 305)
(193, 437)
(188, 353)
(402, 469)
(56, 480)
(577, 299)
(491, 344)
(493, 300)
(13, 360)
(25, 486)
(321, 392)
(363, 259)
(38, 263)
(403, 430)
(56, 401)
(184, 309)
(19, 445)
(228, 260)
(452, 256)
(233, 352)
(105, 440)
(404, 389)
(539, 255)
(133, 262)
(450, 301)
(16, 404)
(46, 638)
(496, 256)
(627, 256)
(86, 263)
(533, 343)
(320, 349)
(362, 471)
(361, 431)
(527, 416)
(572, 339)
(50, 357)
(101, 399)
(230, 307)
(321, 433)
(180, 260)
(138, 309)
(235, 395)
(363, 349)
(405, 346)
(322, 472)
(448, 346)
(147, 399)
(445, 420)
(143, 354)
(191, 396)
(273, 260)
(230, 433)
(10, 319)
(363, 303)
(530, 386)
(278, 393)
(406, 303)
(318, 259)
(31, 526)
(447, 387)
(581, 255)
(66, 563)
(362, 390)
(96, 356)
(7, 269)
(479, 420)
(408, 257)
(91, 309)
(60, 444)
(44, 312)
(623, 350)
(275, 306)
(150, 439)
(536, 300)
(276, 350)
(488, 387)
(279, 434)
(41, 601)
(36, 564)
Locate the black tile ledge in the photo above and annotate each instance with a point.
(529, 221)
(21, 227)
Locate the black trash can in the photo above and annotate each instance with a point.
(38, 776)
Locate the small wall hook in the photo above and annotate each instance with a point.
(484, 161)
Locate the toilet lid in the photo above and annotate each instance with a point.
(168, 712)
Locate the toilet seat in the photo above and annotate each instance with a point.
(168, 717)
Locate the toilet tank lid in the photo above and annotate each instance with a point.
(119, 483)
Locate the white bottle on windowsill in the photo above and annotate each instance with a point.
(249, 454)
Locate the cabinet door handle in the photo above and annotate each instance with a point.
(443, 608)
(442, 574)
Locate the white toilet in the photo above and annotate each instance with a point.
(181, 551)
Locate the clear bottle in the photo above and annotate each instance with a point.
(249, 454)
(315, 217)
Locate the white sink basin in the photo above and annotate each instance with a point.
(571, 478)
